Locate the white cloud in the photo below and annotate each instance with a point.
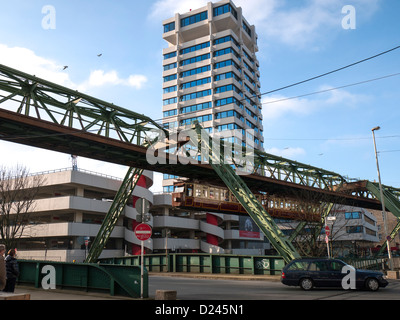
(137, 81)
(38, 160)
(299, 24)
(28, 61)
(303, 25)
(277, 106)
(164, 9)
(99, 78)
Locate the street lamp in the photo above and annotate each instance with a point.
(384, 217)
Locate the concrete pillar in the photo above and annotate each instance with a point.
(79, 192)
(78, 217)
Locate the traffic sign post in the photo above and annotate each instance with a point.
(142, 232)
(142, 207)
(86, 245)
(327, 233)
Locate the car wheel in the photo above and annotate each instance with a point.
(306, 284)
(372, 284)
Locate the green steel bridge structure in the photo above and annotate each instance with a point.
(42, 114)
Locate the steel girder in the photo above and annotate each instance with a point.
(118, 205)
(38, 98)
(247, 199)
(392, 204)
(283, 169)
(31, 96)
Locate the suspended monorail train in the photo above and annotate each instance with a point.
(205, 197)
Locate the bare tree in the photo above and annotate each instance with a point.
(18, 191)
(311, 208)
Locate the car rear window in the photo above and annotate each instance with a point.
(318, 266)
(298, 265)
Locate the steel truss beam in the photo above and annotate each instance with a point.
(45, 102)
(279, 168)
(41, 99)
(392, 204)
(121, 198)
(247, 199)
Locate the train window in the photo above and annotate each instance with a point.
(212, 193)
(197, 191)
(225, 195)
(217, 191)
(189, 190)
(205, 192)
(233, 199)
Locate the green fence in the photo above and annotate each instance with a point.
(367, 263)
(113, 279)
(204, 263)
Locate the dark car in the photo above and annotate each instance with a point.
(309, 273)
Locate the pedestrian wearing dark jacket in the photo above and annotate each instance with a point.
(12, 271)
(3, 274)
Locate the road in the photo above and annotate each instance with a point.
(213, 289)
(217, 289)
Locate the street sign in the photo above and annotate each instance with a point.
(327, 232)
(326, 228)
(142, 206)
(143, 232)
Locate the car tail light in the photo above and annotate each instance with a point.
(283, 275)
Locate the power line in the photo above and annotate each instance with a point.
(317, 92)
(385, 151)
(331, 89)
(332, 139)
(330, 72)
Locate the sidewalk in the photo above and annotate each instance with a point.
(65, 294)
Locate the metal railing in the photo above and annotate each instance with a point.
(114, 279)
(204, 263)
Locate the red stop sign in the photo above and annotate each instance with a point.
(143, 232)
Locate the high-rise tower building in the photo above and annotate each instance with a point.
(211, 73)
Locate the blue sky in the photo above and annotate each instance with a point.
(297, 40)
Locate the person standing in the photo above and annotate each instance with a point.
(3, 273)
(12, 271)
